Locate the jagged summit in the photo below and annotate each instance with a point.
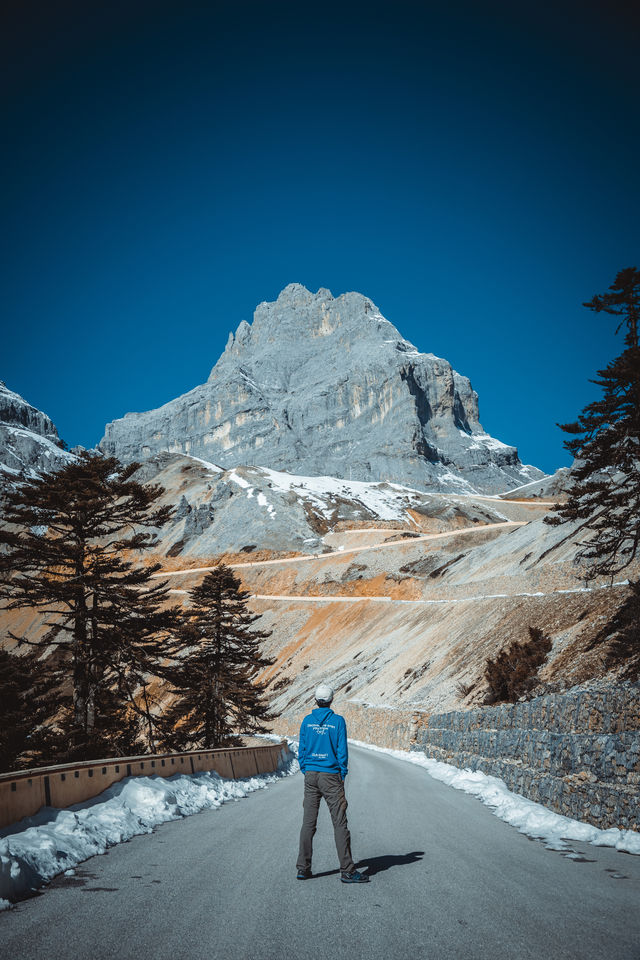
(298, 313)
(319, 385)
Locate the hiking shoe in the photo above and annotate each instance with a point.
(355, 877)
(304, 875)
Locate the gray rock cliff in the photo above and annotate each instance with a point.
(29, 441)
(319, 385)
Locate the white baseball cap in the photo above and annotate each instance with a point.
(324, 693)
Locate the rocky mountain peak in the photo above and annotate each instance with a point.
(299, 314)
(317, 385)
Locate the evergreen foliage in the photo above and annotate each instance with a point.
(514, 671)
(605, 495)
(64, 545)
(214, 681)
(622, 635)
(25, 704)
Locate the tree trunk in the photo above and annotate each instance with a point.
(80, 664)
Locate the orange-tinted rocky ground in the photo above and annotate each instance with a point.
(407, 615)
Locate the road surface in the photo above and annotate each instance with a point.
(449, 882)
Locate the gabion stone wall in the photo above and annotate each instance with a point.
(577, 752)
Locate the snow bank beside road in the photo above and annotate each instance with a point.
(532, 819)
(38, 848)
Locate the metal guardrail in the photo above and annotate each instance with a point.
(24, 792)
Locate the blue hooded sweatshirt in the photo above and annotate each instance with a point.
(323, 742)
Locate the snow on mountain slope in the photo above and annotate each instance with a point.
(255, 508)
(29, 441)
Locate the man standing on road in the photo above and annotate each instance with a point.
(323, 758)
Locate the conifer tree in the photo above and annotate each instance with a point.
(66, 541)
(621, 635)
(24, 708)
(214, 681)
(605, 495)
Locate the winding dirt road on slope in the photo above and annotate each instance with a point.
(341, 553)
(333, 598)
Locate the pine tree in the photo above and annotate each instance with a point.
(25, 704)
(65, 541)
(605, 495)
(621, 635)
(214, 682)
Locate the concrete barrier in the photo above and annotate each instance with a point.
(23, 793)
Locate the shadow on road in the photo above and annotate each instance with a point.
(375, 865)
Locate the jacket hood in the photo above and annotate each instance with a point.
(321, 714)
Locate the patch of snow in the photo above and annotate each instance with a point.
(236, 478)
(205, 463)
(262, 500)
(379, 499)
(480, 440)
(50, 448)
(55, 841)
(530, 818)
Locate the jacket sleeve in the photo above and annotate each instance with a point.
(302, 745)
(343, 750)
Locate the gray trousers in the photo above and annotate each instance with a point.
(331, 787)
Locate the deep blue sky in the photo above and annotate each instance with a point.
(471, 167)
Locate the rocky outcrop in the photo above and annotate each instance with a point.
(319, 385)
(29, 441)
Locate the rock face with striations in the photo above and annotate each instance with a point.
(29, 441)
(319, 385)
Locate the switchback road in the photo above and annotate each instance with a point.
(449, 882)
(310, 557)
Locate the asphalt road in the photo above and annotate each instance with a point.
(449, 880)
